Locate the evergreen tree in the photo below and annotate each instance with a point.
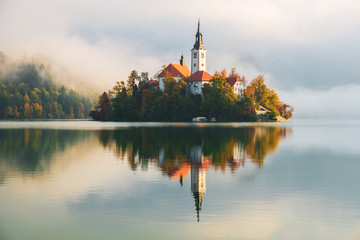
(31, 94)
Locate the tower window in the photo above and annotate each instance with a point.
(202, 55)
(194, 64)
(195, 54)
(202, 64)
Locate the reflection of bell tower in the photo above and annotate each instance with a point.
(198, 186)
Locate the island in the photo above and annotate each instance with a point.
(177, 94)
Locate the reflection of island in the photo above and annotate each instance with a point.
(177, 151)
(169, 148)
(31, 151)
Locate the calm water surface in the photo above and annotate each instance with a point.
(90, 180)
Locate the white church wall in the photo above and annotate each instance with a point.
(195, 87)
(161, 83)
(238, 88)
(198, 60)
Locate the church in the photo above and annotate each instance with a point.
(198, 75)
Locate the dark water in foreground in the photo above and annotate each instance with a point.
(90, 180)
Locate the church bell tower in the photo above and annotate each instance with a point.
(198, 53)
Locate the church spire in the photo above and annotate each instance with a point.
(198, 53)
(198, 31)
(198, 39)
(182, 61)
(198, 202)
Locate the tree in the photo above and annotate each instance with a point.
(27, 111)
(30, 93)
(16, 113)
(221, 74)
(147, 98)
(145, 77)
(29, 74)
(262, 95)
(133, 78)
(8, 112)
(81, 111)
(285, 110)
(219, 99)
(119, 88)
(104, 107)
(169, 83)
(37, 110)
(26, 98)
(236, 74)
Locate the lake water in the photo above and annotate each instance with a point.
(91, 180)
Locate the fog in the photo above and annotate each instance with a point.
(339, 102)
(306, 50)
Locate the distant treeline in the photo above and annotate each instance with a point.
(145, 102)
(28, 92)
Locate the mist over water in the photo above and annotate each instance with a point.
(335, 103)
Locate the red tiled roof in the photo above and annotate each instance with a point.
(200, 76)
(181, 171)
(176, 70)
(232, 80)
(153, 82)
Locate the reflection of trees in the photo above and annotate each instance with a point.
(180, 150)
(31, 150)
(264, 141)
(172, 147)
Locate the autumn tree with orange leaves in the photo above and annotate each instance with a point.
(260, 94)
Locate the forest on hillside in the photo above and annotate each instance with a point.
(146, 102)
(27, 91)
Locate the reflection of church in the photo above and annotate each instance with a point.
(223, 149)
(232, 154)
(198, 186)
(198, 165)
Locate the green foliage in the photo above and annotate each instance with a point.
(31, 94)
(133, 78)
(147, 103)
(103, 108)
(220, 100)
(217, 145)
(31, 150)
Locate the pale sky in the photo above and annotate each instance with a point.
(306, 49)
